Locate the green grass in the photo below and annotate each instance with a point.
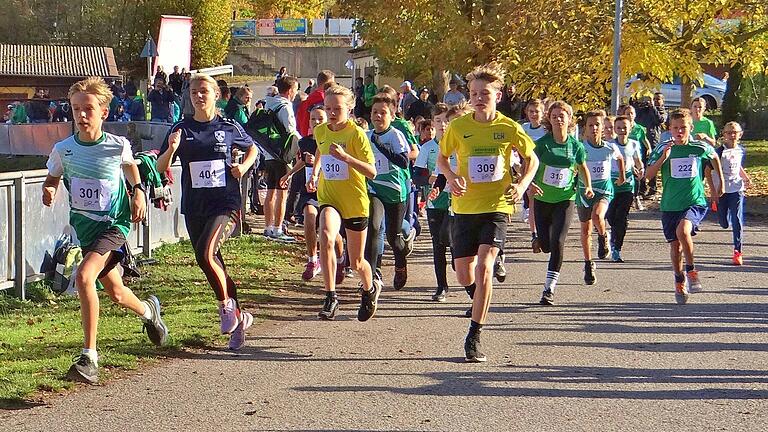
(757, 156)
(42, 334)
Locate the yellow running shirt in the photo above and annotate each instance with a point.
(340, 185)
(484, 153)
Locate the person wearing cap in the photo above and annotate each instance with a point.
(422, 107)
(408, 96)
(454, 96)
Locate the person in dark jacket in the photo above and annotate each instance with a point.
(237, 106)
(652, 116)
(422, 107)
(37, 108)
(160, 99)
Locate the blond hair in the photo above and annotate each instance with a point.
(93, 86)
(681, 114)
(733, 124)
(345, 93)
(563, 106)
(198, 77)
(492, 73)
(458, 110)
(242, 91)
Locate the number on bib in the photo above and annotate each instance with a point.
(600, 170)
(382, 163)
(308, 173)
(557, 177)
(681, 168)
(486, 169)
(208, 174)
(90, 194)
(334, 169)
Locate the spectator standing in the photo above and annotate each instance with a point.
(369, 91)
(160, 99)
(282, 73)
(652, 116)
(19, 114)
(175, 80)
(37, 110)
(310, 87)
(511, 105)
(161, 75)
(237, 107)
(359, 97)
(453, 96)
(187, 110)
(422, 107)
(324, 79)
(408, 96)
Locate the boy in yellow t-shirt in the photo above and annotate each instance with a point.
(484, 194)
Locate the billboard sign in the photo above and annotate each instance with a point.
(290, 26)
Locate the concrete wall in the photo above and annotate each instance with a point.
(300, 61)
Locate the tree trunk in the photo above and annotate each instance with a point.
(732, 100)
(440, 80)
(686, 92)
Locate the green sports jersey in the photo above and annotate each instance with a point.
(93, 175)
(705, 126)
(629, 151)
(639, 133)
(680, 174)
(556, 175)
(391, 182)
(599, 161)
(403, 126)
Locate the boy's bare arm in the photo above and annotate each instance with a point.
(50, 186)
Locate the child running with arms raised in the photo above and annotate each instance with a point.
(95, 166)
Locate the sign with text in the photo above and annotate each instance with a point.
(290, 26)
(243, 28)
(266, 27)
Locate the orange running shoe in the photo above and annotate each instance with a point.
(737, 259)
(681, 293)
(694, 284)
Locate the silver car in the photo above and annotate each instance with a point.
(711, 89)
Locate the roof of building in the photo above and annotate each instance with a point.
(57, 61)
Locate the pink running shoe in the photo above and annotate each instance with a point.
(228, 314)
(237, 338)
(311, 270)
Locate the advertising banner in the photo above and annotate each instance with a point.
(266, 27)
(243, 28)
(290, 26)
(174, 45)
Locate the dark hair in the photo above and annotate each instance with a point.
(324, 76)
(386, 99)
(286, 83)
(439, 108)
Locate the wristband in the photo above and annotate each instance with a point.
(138, 186)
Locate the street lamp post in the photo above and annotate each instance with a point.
(615, 85)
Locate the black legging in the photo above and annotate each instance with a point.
(393, 215)
(617, 217)
(207, 235)
(439, 226)
(552, 223)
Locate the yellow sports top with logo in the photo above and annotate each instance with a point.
(340, 186)
(484, 155)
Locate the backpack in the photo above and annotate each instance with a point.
(270, 135)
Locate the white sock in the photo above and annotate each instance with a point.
(312, 259)
(270, 228)
(147, 315)
(551, 280)
(92, 354)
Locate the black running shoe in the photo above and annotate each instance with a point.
(330, 307)
(468, 312)
(472, 350)
(547, 298)
(602, 246)
(499, 272)
(369, 302)
(83, 370)
(439, 295)
(535, 244)
(589, 273)
(401, 277)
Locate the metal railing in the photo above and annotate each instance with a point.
(29, 230)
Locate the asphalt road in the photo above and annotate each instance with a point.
(616, 356)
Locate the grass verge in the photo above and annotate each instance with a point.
(41, 335)
(757, 168)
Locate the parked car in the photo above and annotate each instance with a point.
(712, 90)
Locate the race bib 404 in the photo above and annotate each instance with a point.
(334, 169)
(683, 167)
(90, 194)
(486, 169)
(208, 174)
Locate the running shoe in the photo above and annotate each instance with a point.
(369, 301)
(472, 350)
(589, 273)
(311, 270)
(547, 298)
(681, 293)
(499, 271)
(737, 258)
(228, 316)
(602, 246)
(283, 237)
(440, 294)
(237, 338)
(616, 256)
(639, 204)
(268, 233)
(471, 291)
(535, 244)
(526, 213)
(409, 242)
(340, 274)
(348, 272)
(694, 284)
(83, 370)
(401, 277)
(330, 307)
(155, 327)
